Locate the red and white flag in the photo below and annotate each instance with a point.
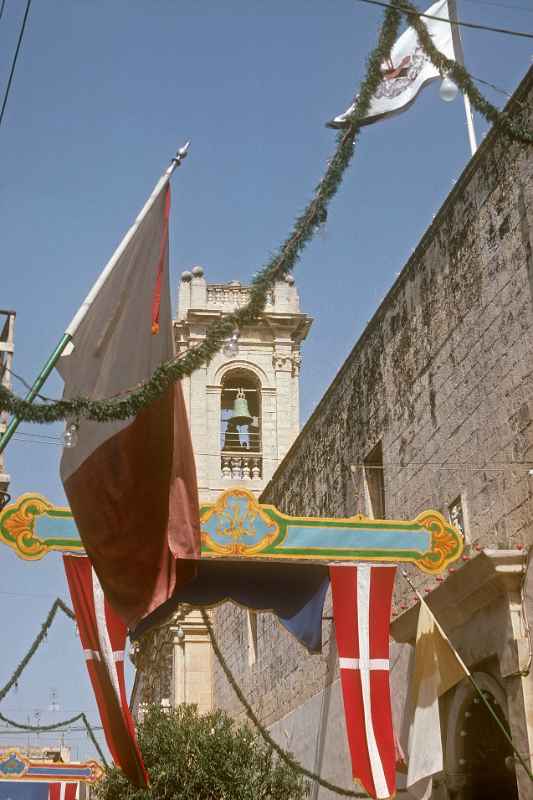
(103, 638)
(131, 484)
(62, 791)
(361, 606)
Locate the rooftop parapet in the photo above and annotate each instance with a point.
(196, 293)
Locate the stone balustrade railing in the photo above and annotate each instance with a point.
(241, 467)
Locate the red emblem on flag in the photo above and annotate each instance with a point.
(361, 607)
(103, 638)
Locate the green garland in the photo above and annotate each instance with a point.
(283, 754)
(56, 726)
(282, 263)
(39, 639)
(58, 605)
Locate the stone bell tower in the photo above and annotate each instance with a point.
(244, 406)
(243, 413)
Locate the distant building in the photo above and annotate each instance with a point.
(55, 753)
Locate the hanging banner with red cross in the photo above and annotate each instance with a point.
(103, 638)
(361, 606)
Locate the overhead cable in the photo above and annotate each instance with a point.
(14, 62)
(474, 25)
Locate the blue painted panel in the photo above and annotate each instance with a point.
(360, 539)
(61, 769)
(238, 515)
(56, 528)
(22, 790)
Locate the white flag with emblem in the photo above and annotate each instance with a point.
(408, 69)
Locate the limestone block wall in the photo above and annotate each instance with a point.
(443, 378)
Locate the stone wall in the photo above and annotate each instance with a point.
(442, 377)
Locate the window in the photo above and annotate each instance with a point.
(375, 483)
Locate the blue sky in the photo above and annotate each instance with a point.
(103, 95)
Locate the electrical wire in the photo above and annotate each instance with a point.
(14, 62)
(25, 383)
(2, 8)
(36, 441)
(9, 731)
(473, 25)
(436, 465)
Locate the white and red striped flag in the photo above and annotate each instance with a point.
(361, 606)
(103, 638)
(62, 791)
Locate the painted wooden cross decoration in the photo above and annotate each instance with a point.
(238, 527)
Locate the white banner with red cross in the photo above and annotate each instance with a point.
(361, 606)
(103, 638)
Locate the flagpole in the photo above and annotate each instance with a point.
(66, 339)
(472, 681)
(470, 124)
(460, 58)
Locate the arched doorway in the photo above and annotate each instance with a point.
(479, 759)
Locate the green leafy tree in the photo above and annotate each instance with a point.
(204, 757)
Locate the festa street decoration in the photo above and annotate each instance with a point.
(362, 597)
(131, 401)
(239, 528)
(17, 767)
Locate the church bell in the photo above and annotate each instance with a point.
(241, 413)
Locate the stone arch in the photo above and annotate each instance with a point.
(243, 364)
(478, 759)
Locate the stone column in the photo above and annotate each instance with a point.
(192, 661)
(282, 362)
(212, 459)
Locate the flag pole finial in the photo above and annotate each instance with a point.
(182, 153)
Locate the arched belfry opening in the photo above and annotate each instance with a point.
(240, 425)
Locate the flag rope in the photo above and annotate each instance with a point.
(468, 674)
(131, 401)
